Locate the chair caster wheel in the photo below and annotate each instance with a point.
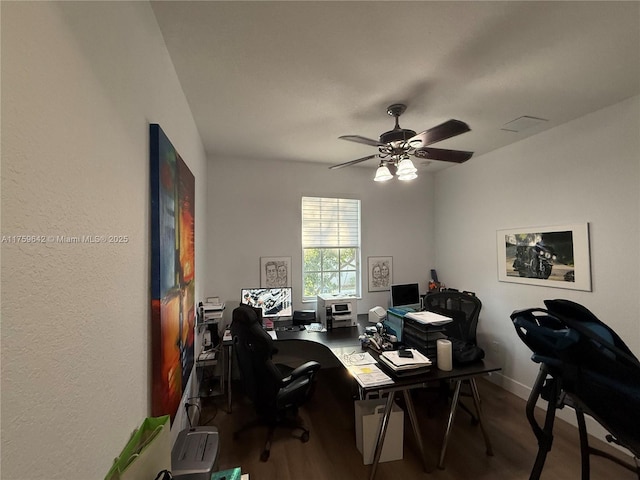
(304, 438)
(264, 456)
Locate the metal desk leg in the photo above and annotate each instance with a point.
(452, 414)
(229, 362)
(381, 433)
(476, 401)
(416, 428)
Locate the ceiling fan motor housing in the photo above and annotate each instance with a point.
(397, 135)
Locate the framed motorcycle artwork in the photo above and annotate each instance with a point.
(556, 256)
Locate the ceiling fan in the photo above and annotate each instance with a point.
(397, 145)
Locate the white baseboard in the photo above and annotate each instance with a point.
(594, 429)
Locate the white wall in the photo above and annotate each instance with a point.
(586, 170)
(81, 81)
(255, 210)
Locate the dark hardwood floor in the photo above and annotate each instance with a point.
(331, 452)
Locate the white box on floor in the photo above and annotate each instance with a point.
(368, 419)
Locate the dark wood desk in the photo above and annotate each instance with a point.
(338, 337)
(347, 337)
(458, 375)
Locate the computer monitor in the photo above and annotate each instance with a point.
(406, 295)
(274, 302)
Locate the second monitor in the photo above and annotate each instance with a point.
(406, 295)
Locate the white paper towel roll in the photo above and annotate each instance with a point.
(443, 348)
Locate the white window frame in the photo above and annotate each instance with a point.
(329, 224)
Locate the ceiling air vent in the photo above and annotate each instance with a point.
(522, 123)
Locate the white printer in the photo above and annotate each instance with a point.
(341, 309)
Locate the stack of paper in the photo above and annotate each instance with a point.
(356, 358)
(370, 376)
(430, 318)
(418, 363)
(227, 336)
(209, 355)
(212, 309)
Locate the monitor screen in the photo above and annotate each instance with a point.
(406, 295)
(274, 302)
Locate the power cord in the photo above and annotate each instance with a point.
(187, 405)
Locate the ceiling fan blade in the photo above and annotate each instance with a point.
(445, 130)
(352, 162)
(359, 139)
(456, 156)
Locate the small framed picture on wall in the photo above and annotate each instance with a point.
(380, 271)
(275, 272)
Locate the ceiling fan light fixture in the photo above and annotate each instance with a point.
(397, 145)
(382, 174)
(406, 167)
(407, 176)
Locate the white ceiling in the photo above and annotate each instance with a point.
(283, 80)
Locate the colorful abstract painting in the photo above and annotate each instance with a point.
(172, 273)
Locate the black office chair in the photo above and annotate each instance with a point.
(464, 308)
(585, 365)
(276, 391)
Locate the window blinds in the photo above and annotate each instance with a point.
(330, 222)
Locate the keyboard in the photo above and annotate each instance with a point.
(290, 328)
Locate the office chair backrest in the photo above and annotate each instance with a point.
(253, 349)
(463, 307)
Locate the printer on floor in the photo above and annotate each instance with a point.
(195, 454)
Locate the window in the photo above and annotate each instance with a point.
(330, 246)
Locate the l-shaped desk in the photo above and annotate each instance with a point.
(346, 340)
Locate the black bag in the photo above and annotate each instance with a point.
(464, 353)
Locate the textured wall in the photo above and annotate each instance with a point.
(81, 81)
(262, 200)
(587, 170)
